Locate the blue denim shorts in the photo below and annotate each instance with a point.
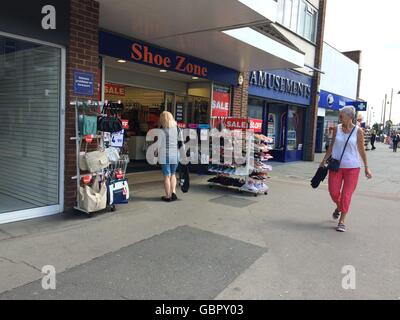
(168, 169)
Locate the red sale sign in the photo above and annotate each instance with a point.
(236, 123)
(256, 125)
(220, 104)
(114, 89)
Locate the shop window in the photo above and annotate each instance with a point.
(180, 109)
(142, 107)
(295, 131)
(30, 96)
(255, 108)
(276, 127)
(198, 110)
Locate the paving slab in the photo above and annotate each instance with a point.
(184, 263)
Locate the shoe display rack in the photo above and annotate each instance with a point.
(250, 177)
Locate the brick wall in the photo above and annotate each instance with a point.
(240, 98)
(311, 131)
(354, 55)
(82, 54)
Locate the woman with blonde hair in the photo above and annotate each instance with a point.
(344, 163)
(169, 155)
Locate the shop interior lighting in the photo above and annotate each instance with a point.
(163, 71)
(121, 61)
(195, 78)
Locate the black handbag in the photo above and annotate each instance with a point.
(109, 124)
(334, 164)
(184, 180)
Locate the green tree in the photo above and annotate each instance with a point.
(388, 126)
(377, 128)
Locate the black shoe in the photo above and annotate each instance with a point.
(163, 198)
(174, 197)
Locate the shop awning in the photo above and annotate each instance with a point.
(217, 31)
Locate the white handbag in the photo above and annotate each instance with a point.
(112, 154)
(97, 161)
(93, 198)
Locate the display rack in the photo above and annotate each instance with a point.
(119, 165)
(250, 177)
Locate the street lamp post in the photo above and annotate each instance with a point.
(391, 104)
(384, 113)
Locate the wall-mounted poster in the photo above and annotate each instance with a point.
(221, 101)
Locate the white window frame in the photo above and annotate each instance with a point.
(14, 216)
(296, 26)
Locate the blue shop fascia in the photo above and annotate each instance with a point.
(328, 116)
(281, 98)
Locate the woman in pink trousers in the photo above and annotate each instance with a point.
(343, 183)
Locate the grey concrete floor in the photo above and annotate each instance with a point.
(215, 243)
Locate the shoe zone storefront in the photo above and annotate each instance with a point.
(280, 98)
(148, 79)
(32, 99)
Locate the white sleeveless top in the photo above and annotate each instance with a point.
(351, 157)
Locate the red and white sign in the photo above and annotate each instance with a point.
(125, 124)
(220, 104)
(236, 123)
(256, 125)
(181, 125)
(114, 89)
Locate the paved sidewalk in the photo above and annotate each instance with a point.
(215, 243)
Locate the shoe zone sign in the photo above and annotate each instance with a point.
(138, 51)
(328, 100)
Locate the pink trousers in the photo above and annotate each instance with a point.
(342, 185)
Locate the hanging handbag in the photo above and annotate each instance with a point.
(334, 164)
(89, 125)
(97, 160)
(109, 124)
(93, 198)
(118, 192)
(112, 154)
(82, 157)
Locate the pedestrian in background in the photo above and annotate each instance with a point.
(347, 147)
(395, 141)
(373, 139)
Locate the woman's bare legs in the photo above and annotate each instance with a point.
(173, 184)
(167, 186)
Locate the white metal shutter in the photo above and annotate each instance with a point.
(29, 121)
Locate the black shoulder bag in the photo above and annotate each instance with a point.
(334, 164)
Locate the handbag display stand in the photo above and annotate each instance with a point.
(102, 165)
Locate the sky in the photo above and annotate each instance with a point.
(373, 27)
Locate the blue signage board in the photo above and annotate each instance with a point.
(83, 83)
(140, 52)
(359, 105)
(281, 85)
(333, 101)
